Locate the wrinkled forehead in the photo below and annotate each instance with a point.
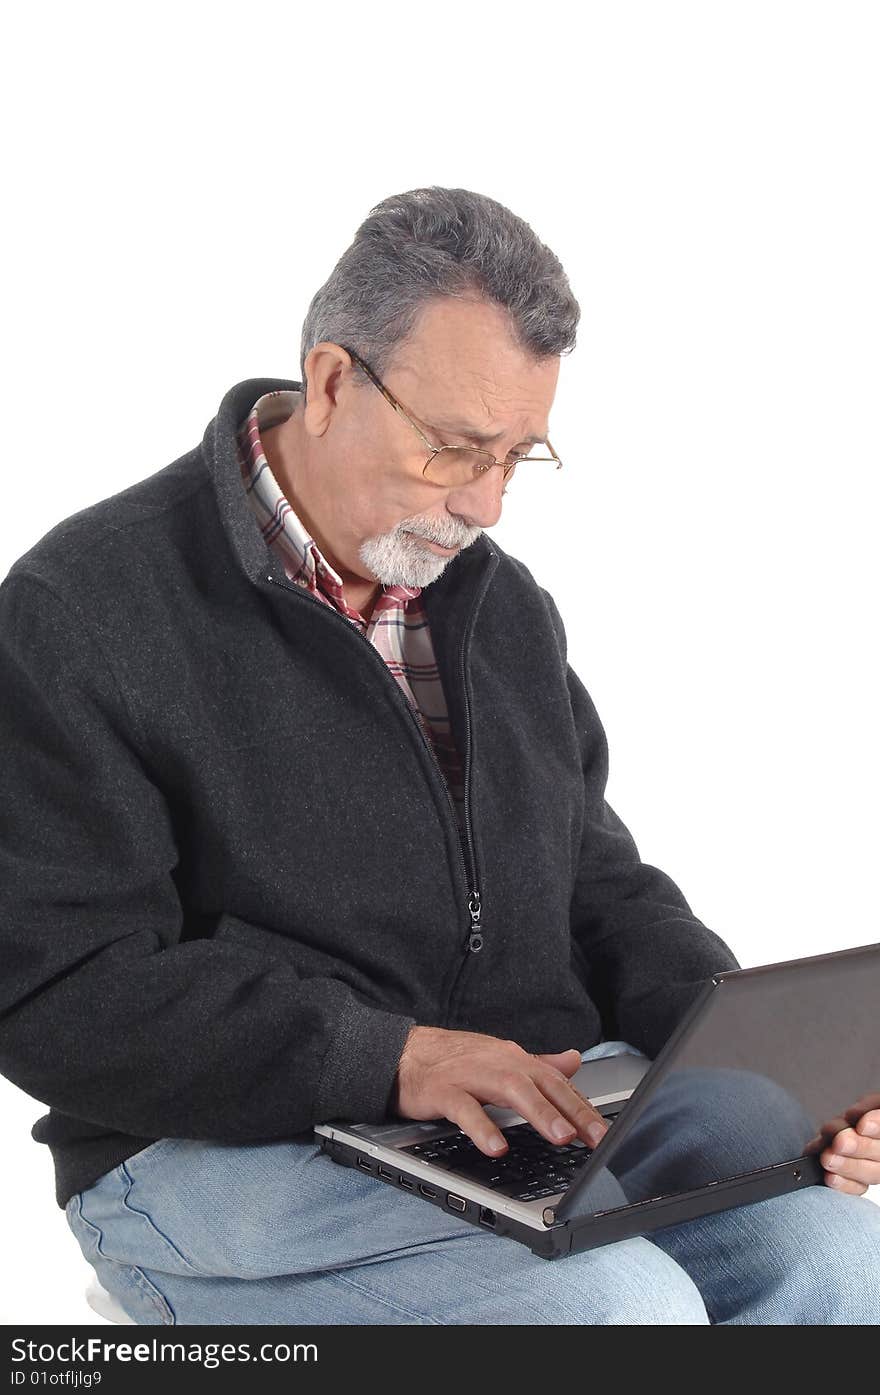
(462, 369)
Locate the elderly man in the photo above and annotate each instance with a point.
(307, 820)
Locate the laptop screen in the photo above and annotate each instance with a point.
(769, 1064)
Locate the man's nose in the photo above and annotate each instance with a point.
(480, 500)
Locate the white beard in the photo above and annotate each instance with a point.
(400, 559)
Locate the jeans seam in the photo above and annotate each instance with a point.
(386, 1303)
(149, 1289)
(91, 1226)
(154, 1294)
(148, 1218)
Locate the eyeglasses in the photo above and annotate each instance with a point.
(460, 464)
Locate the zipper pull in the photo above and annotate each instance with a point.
(475, 939)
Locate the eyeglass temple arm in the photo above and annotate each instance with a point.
(391, 401)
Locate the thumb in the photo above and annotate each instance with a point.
(566, 1061)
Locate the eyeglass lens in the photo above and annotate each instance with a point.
(458, 465)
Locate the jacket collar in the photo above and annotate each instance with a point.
(220, 451)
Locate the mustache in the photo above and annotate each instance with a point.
(462, 540)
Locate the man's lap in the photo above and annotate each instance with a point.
(190, 1232)
(193, 1232)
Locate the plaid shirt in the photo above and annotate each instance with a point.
(398, 627)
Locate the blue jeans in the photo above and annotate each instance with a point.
(189, 1232)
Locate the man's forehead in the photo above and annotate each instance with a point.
(442, 398)
(463, 428)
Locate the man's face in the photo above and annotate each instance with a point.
(460, 371)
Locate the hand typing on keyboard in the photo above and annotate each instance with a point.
(530, 1169)
(451, 1075)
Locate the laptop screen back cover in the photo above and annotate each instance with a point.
(766, 1067)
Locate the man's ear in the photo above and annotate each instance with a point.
(326, 385)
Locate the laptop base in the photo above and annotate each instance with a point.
(579, 1233)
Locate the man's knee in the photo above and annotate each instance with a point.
(707, 1124)
(629, 1283)
(828, 1245)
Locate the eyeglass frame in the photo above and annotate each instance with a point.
(436, 450)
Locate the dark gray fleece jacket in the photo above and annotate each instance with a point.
(194, 947)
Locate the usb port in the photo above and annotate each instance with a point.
(457, 1203)
(405, 1182)
(365, 1164)
(426, 1191)
(386, 1173)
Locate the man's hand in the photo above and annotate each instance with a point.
(851, 1157)
(450, 1075)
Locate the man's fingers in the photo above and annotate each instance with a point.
(473, 1120)
(557, 1102)
(554, 1108)
(844, 1184)
(585, 1118)
(566, 1061)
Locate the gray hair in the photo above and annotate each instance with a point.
(434, 242)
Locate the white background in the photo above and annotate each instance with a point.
(180, 181)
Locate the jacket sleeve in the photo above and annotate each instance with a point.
(108, 1012)
(644, 954)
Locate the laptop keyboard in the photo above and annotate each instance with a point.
(531, 1167)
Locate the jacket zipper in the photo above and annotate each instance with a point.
(475, 935)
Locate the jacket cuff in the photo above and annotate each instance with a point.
(360, 1065)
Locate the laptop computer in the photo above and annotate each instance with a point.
(766, 1066)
